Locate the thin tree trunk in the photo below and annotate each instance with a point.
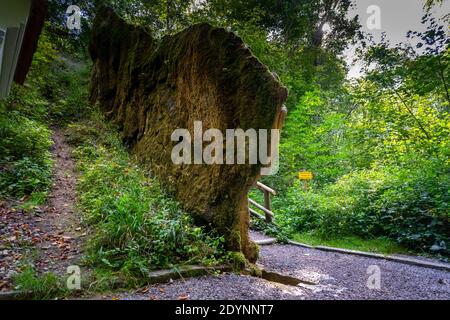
(441, 73)
(422, 128)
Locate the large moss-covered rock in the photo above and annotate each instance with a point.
(152, 87)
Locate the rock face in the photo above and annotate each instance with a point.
(152, 87)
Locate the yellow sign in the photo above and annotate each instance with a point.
(305, 175)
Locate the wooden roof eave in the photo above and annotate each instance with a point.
(35, 23)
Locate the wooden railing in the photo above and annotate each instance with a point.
(268, 192)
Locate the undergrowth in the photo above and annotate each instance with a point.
(53, 94)
(137, 226)
(39, 287)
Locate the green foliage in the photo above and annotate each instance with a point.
(377, 146)
(25, 160)
(377, 245)
(74, 42)
(25, 117)
(270, 229)
(70, 101)
(137, 226)
(407, 205)
(21, 136)
(24, 177)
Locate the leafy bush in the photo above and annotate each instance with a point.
(32, 285)
(137, 226)
(408, 204)
(71, 103)
(25, 160)
(23, 137)
(55, 92)
(25, 117)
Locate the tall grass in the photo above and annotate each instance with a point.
(137, 226)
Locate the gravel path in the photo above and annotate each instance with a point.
(343, 276)
(255, 236)
(336, 276)
(226, 286)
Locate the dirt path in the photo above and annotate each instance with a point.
(62, 245)
(335, 276)
(49, 237)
